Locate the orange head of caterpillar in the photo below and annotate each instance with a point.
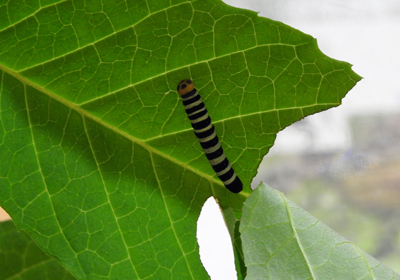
(185, 86)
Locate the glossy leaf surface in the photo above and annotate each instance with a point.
(282, 241)
(98, 162)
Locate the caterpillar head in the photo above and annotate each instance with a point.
(185, 86)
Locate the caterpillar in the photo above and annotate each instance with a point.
(205, 132)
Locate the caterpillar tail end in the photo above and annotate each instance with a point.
(236, 186)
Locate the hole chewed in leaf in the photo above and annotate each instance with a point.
(216, 252)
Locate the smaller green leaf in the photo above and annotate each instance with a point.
(282, 241)
(21, 258)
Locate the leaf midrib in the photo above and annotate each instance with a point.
(84, 113)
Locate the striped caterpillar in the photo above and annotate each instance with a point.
(205, 132)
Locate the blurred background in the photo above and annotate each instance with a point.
(341, 165)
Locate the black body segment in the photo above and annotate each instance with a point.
(205, 132)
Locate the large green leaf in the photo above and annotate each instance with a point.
(20, 258)
(282, 241)
(98, 162)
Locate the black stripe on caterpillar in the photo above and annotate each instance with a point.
(205, 132)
